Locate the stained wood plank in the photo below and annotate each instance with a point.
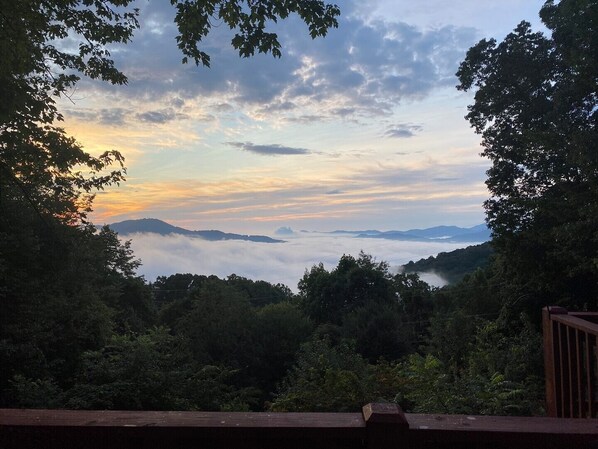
(99, 418)
(64, 429)
(506, 424)
(449, 431)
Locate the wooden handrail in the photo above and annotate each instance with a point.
(380, 426)
(55, 429)
(577, 322)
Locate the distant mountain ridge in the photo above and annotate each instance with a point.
(155, 226)
(453, 234)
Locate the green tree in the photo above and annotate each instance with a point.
(415, 304)
(429, 387)
(280, 331)
(218, 326)
(386, 316)
(326, 378)
(175, 288)
(134, 307)
(260, 293)
(459, 310)
(56, 271)
(56, 301)
(133, 373)
(327, 296)
(378, 331)
(536, 107)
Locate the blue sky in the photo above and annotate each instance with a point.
(361, 129)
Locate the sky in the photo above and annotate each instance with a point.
(362, 129)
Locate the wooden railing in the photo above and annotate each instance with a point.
(570, 363)
(379, 426)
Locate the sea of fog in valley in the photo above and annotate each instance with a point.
(273, 262)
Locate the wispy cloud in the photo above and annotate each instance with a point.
(403, 130)
(353, 195)
(115, 116)
(272, 150)
(160, 116)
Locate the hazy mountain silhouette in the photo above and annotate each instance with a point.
(479, 233)
(153, 225)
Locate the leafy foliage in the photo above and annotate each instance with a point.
(152, 371)
(58, 297)
(250, 20)
(378, 332)
(428, 387)
(326, 378)
(281, 328)
(326, 296)
(386, 315)
(39, 164)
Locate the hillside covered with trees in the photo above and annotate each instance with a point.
(453, 265)
(79, 329)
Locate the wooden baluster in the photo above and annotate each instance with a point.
(574, 363)
(592, 375)
(578, 371)
(562, 384)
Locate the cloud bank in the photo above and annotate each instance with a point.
(276, 263)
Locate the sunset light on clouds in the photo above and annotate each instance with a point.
(361, 129)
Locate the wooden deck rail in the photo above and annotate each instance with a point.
(570, 362)
(380, 426)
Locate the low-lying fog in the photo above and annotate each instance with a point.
(273, 262)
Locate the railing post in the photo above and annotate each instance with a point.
(386, 426)
(550, 347)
